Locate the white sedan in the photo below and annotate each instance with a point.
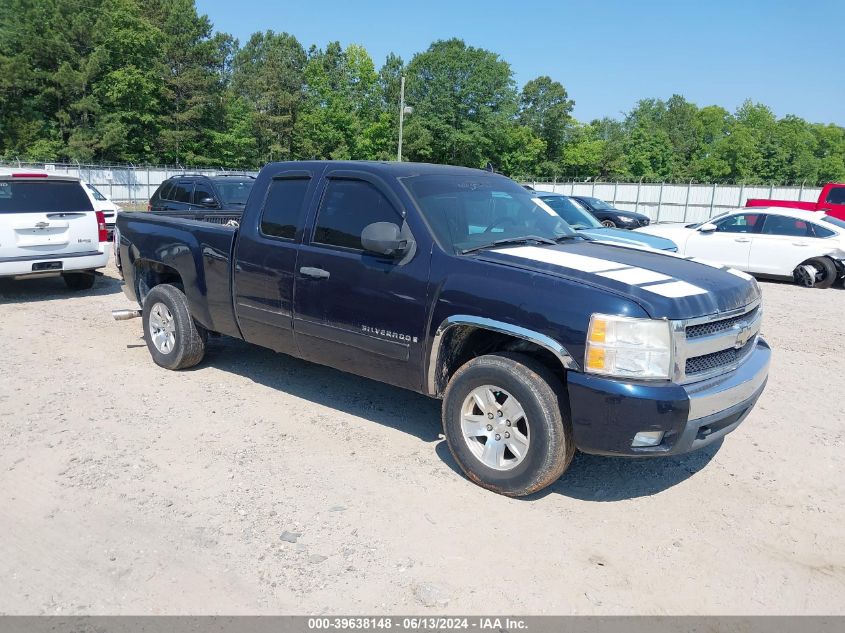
(806, 246)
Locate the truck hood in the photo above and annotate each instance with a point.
(664, 284)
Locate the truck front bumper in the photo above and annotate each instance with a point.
(607, 414)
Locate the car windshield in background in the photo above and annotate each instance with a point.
(575, 216)
(234, 192)
(42, 196)
(834, 221)
(96, 192)
(471, 212)
(601, 205)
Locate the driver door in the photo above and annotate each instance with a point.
(358, 311)
(730, 243)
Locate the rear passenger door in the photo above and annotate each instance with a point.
(783, 243)
(179, 198)
(354, 310)
(265, 262)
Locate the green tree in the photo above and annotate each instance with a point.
(268, 74)
(545, 108)
(461, 95)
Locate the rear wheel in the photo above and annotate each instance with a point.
(175, 341)
(504, 423)
(79, 281)
(819, 272)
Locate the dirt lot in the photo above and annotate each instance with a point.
(257, 483)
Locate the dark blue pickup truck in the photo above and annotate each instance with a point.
(462, 285)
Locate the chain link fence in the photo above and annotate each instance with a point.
(662, 202)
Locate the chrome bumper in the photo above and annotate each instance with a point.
(715, 395)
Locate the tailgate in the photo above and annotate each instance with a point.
(45, 217)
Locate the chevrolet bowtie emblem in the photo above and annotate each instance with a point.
(42, 225)
(743, 333)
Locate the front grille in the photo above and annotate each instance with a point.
(714, 327)
(644, 222)
(709, 362)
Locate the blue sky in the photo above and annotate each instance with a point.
(607, 54)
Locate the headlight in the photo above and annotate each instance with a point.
(625, 347)
(625, 218)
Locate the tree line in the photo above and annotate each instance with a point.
(151, 81)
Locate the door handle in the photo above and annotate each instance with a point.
(742, 239)
(799, 243)
(314, 273)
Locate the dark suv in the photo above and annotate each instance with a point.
(203, 197)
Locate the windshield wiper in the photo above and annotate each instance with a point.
(510, 240)
(563, 238)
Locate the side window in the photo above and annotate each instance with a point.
(181, 191)
(166, 190)
(740, 223)
(783, 225)
(348, 206)
(202, 190)
(283, 207)
(820, 231)
(836, 196)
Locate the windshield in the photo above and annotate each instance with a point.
(834, 221)
(471, 211)
(598, 204)
(95, 191)
(234, 191)
(574, 215)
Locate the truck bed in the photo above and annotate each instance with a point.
(199, 250)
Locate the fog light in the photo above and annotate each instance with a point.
(648, 438)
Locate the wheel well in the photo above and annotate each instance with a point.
(462, 343)
(149, 274)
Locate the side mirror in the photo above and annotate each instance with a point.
(707, 227)
(208, 202)
(384, 238)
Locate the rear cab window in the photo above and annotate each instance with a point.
(282, 210)
(43, 196)
(836, 196)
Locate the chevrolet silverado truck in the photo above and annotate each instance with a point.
(460, 284)
(831, 201)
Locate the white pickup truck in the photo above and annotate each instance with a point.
(48, 225)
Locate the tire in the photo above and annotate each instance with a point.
(609, 224)
(175, 341)
(79, 281)
(537, 391)
(825, 273)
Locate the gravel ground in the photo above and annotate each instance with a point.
(257, 483)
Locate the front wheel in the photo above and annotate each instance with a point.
(175, 341)
(505, 425)
(609, 224)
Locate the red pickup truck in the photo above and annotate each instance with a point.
(831, 201)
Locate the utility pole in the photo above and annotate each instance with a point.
(401, 117)
(403, 110)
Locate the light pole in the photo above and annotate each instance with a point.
(403, 110)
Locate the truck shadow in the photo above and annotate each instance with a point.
(33, 289)
(607, 479)
(389, 406)
(589, 478)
